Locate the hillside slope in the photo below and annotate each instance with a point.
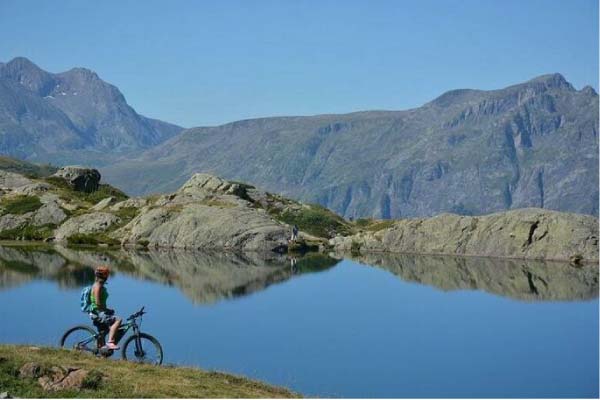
(468, 151)
(118, 379)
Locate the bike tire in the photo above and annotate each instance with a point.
(131, 342)
(81, 328)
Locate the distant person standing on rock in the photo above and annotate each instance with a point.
(295, 231)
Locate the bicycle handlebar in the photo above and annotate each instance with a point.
(137, 314)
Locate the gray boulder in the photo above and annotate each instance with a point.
(10, 181)
(102, 204)
(81, 179)
(134, 202)
(49, 213)
(86, 224)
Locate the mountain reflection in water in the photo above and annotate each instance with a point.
(202, 277)
(209, 277)
(519, 279)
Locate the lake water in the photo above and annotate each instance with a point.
(370, 326)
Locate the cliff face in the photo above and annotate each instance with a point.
(469, 152)
(527, 233)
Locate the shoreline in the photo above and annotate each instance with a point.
(118, 379)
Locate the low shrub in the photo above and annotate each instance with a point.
(20, 204)
(91, 239)
(104, 191)
(316, 220)
(29, 232)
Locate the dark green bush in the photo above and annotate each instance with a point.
(316, 220)
(104, 191)
(20, 204)
(29, 232)
(91, 239)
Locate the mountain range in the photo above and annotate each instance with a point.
(533, 144)
(72, 116)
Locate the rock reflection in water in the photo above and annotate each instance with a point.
(203, 277)
(519, 279)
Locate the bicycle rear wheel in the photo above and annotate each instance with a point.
(147, 351)
(81, 337)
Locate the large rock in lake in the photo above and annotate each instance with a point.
(206, 213)
(530, 233)
(81, 179)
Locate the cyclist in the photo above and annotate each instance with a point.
(100, 313)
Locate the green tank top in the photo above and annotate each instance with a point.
(103, 298)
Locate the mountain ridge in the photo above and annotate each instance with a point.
(467, 151)
(515, 132)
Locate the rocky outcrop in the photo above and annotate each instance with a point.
(211, 213)
(56, 377)
(12, 181)
(95, 222)
(469, 152)
(81, 179)
(49, 213)
(206, 213)
(526, 233)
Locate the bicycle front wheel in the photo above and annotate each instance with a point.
(82, 338)
(146, 350)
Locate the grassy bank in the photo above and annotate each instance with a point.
(121, 379)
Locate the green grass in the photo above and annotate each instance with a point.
(20, 204)
(91, 239)
(380, 225)
(30, 170)
(316, 220)
(363, 222)
(127, 213)
(121, 379)
(29, 232)
(104, 191)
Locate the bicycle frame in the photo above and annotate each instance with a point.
(99, 336)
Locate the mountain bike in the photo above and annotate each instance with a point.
(139, 347)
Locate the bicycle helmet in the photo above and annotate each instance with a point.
(102, 272)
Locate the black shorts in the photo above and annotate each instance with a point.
(103, 318)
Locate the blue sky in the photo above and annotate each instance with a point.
(205, 63)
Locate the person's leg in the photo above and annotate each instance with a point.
(113, 330)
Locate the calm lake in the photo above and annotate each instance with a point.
(365, 326)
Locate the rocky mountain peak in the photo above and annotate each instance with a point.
(589, 91)
(82, 73)
(45, 115)
(21, 70)
(555, 80)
